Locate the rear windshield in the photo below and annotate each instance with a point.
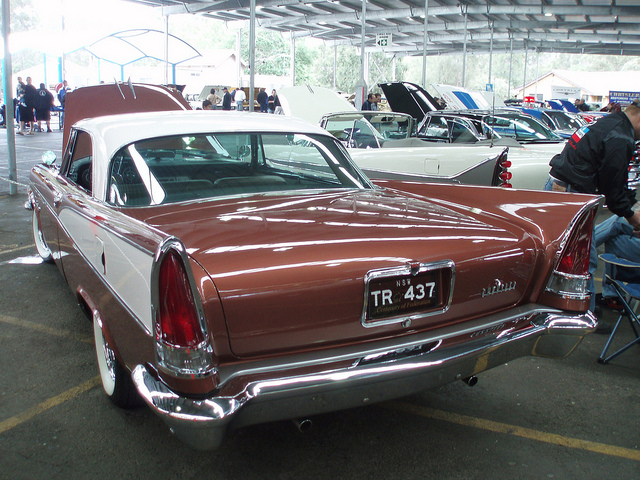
(181, 168)
(523, 129)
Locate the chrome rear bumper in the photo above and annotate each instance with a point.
(342, 380)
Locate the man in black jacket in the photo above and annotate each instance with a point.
(43, 103)
(226, 99)
(596, 160)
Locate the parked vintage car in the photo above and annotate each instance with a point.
(401, 158)
(531, 144)
(241, 269)
(406, 158)
(560, 122)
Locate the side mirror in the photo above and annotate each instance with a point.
(49, 158)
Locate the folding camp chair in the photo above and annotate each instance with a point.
(621, 278)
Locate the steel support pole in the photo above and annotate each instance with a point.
(464, 51)
(510, 68)
(363, 38)
(361, 85)
(292, 64)
(524, 79)
(166, 49)
(491, 52)
(335, 67)
(238, 59)
(8, 98)
(252, 56)
(424, 45)
(537, 70)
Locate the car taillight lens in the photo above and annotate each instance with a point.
(571, 273)
(575, 258)
(179, 325)
(502, 175)
(182, 344)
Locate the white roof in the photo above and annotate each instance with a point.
(119, 130)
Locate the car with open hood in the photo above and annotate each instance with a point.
(531, 144)
(239, 268)
(384, 146)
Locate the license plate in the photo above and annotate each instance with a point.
(396, 294)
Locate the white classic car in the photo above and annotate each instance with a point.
(375, 144)
(531, 144)
(239, 268)
(403, 157)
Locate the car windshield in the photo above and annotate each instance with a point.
(565, 121)
(188, 167)
(520, 127)
(447, 129)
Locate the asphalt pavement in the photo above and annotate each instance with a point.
(533, 418)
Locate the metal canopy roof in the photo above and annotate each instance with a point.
(608, 27)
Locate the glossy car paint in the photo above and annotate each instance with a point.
(474, 164)
(529, 162)
(398, 159)
(326, 243)
(281, 278)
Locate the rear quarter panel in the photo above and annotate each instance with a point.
(546, 216)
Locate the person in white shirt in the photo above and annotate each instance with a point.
(239, 97)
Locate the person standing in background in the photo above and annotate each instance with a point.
(44, 102)
(239, 97)
(263, 100)
(226, 99)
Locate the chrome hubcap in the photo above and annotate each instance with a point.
(110, 359)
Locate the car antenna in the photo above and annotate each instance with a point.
(118, 85)
(131, 87)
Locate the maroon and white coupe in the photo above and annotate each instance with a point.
(239, 268)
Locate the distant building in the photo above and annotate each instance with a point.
(593, 87)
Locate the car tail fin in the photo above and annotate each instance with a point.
(502, 175)
(570, 275)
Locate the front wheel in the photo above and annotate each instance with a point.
(39, 240)
(116, 381)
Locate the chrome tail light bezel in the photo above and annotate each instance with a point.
(193, 361)
(573, 286)
(501, 174)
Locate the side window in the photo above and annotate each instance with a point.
(437, 129)
(460, 133)
(79, 161)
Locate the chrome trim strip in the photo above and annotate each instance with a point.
(105, 282)
(174, 244)
(567, 233)
(102, 278)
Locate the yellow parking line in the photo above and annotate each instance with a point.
(27, 415)
(44, 329)
(505, 428)
(18, 249)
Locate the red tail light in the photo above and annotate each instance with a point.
(183, 345)
(575, 258)
(502, 175)
(571, 273)
(179, 324)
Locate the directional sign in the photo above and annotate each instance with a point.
(383, 39)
